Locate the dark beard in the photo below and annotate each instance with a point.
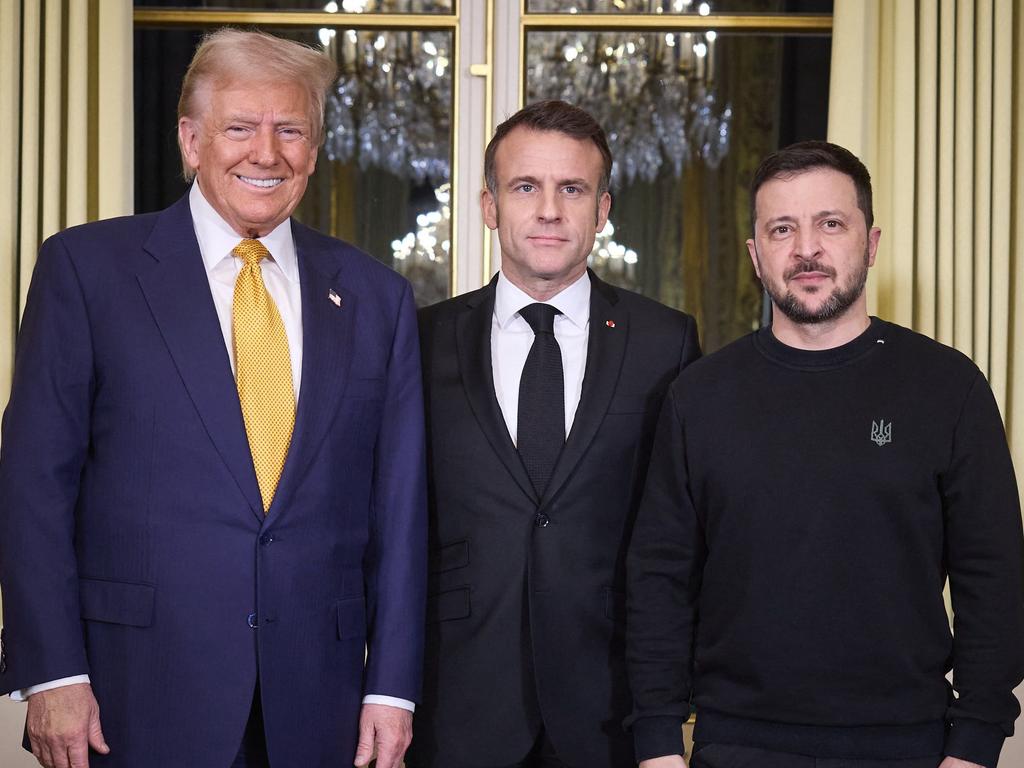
(837, 303)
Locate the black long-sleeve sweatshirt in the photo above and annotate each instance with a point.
(801, 515)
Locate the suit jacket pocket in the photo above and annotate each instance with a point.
(116, 602)
(615, 605)
(450, 556)
(628, 404)
(351, 618)
(453, 604)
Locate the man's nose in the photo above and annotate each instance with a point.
(263, 147)
(549, 206)
(807, 244)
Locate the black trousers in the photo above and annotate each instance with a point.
(542, 755)
(731, 756)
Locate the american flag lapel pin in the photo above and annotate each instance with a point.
(334, 297)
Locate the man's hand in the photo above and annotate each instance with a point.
(389, 729)
(62, 724)
(956, 762)
(669, 761)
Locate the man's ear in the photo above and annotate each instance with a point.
(874, 235)
(489, 209)
(604, 207)
(188, 140)
(752, 250)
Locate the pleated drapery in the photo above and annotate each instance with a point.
(66, 151)
(928, 94)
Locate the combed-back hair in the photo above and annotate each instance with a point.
(551, 115)
(808, 155)
(229, 55)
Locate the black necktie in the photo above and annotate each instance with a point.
(541, 427)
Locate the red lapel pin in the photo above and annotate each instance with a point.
(610, 323)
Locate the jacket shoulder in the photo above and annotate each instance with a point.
(646, 308)
(354, 263)
(116, 231)
(447, 310)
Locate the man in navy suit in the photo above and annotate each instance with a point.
(164, 605)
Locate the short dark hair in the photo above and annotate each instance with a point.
(551, 115)
(808, 155)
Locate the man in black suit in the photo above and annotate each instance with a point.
(542, 392)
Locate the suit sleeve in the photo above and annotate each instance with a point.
(664, 567)
(396, 570)
(985, 554)
(691, 344)
(46, 429)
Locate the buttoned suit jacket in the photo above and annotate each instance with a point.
(526, 605)
(133, 543)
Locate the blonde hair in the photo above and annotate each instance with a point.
(232, 55)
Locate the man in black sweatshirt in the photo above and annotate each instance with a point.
(811, 488)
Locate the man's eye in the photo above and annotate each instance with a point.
(237, 130)
(525, 187)
(291, 133)
(573, 190)
(781, 230)
(833, 224)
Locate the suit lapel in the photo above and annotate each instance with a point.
(177, 290)
(327, 333)
(606, 347)
(473, 339)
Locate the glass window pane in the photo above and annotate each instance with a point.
(689, 116)
(679, 7)
(330, 6)
(383, 176)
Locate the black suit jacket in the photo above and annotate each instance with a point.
(527, 599)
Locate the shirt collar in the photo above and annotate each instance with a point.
(573, 302)
(217, 238)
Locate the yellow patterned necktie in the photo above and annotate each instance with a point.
(264, 370)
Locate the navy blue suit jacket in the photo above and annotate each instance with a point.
(133, 544)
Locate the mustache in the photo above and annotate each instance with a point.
(808, 266)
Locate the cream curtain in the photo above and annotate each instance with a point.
(65, 133)
(928, 94)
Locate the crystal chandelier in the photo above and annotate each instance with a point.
(391, 105)
(653, 93)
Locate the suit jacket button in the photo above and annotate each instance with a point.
(542, 520)
(266, 538)
(251, 620)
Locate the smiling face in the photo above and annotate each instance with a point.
(546, 208)
(812, 247)
(253, 152)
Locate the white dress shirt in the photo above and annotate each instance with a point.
(281, 278)
(512, 337)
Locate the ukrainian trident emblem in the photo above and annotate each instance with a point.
(881, 433)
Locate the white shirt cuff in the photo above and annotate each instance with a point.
(388, 701)
(24, 693)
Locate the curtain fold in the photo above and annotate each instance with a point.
(66, 151)
(10, 96)
(928, 94)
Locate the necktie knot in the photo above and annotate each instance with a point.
(250, 251)
(541, 317)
